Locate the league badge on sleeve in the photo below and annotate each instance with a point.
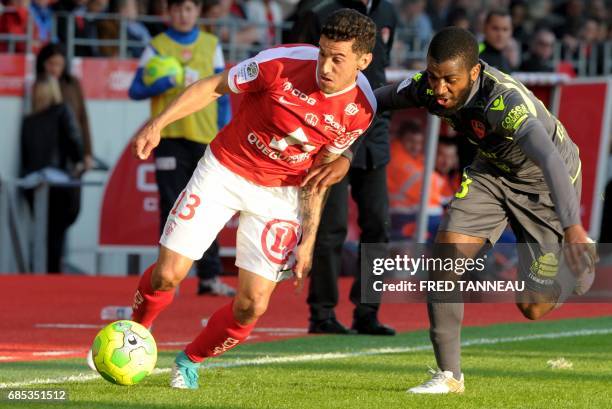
(247, 72)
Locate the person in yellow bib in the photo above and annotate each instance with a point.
(172, 61)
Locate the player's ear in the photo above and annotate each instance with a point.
(475, 72)
(363, 61)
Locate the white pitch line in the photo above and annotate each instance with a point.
(69, 326)
(268, 360)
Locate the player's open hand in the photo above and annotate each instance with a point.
(303, 264)
(146, 140)
(580, 251)
(322, 177)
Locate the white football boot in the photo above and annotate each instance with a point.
(90, 361)
(441, 382)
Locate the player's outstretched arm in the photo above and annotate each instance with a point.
(192, 99)
(312, 200)
(536, 144)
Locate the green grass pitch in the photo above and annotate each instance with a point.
(505, 367)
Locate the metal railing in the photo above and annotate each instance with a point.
(588, 60)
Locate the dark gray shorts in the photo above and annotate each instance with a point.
(484, 206)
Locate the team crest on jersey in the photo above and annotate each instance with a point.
(351, 109)
(247, 73)
(478, 128)
(311, 119)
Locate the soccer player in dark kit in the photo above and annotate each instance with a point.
(527, 173)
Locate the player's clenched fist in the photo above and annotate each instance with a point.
(146, 140)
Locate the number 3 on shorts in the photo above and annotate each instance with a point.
(190, 208)
(465, 186)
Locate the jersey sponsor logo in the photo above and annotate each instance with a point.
(417, 77)
(297, 137)
(333, 125)
(478, 128)
(515, 117)
(288, 87)
(229, 343)
(278, 240)
(351, 109)
(343, 138)
(429, 91)
(311, 119)
(275, 153)
(247, 72)
(498, 104)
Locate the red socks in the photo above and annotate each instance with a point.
(147, 302)
(221, 333)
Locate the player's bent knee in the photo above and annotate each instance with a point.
(248, 308)
(166, 278)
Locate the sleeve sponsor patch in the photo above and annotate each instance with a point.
(515, 117)
(247, 72)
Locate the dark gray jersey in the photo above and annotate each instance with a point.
(513, 130)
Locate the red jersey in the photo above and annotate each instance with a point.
(284, 119)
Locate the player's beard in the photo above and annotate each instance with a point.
(462, 99)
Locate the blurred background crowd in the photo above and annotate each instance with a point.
(539, 35)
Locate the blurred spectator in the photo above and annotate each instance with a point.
(541, 51)
(109, 29)
(497, 35)
(14, 20)
(405, 181)
(43, 18)
(266, 15)
(51, 61)
(86, 27)
(571, 14)
(512, 52)
(157, 8)
(226, 25)
(447, 166)
(50, 143)
(597, 9)
(66, 9)
(184, 142)
(415, 24)
(459, 17)
(520, 23)
(438, 11)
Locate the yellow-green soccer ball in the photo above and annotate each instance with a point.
(160, 66)
(124, 352)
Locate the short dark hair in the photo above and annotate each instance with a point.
(347, 25)
(179, 2)
(454, 42)
(497, 13)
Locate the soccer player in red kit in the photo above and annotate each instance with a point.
(302, 108)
